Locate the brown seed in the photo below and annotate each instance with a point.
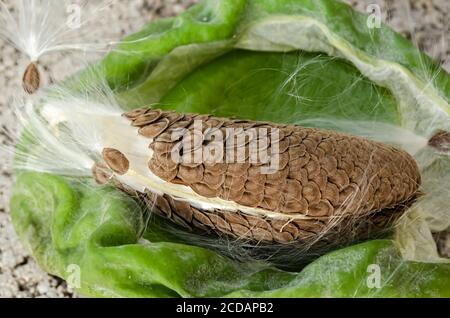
(219, 222)
(323, 208)
(173, 117)
(311, 193)
(202, 218)
(282, 237)
(102, 174)
(238, 169)
(204, 190)
(31, 79)
(270, 204)
(161, 170)
(283, 226)
(163, 148)
(251, 199)
(163, 205)
(191, 175)
(261, 235)
(340, 179)
(183, 210)
(214, 181)
(241, 231)
(440, 141)
(154, 130)
(236, 218)
(147, 118)
(135, 113)
(235, 183)
(216, 169)
(168, 137)
(116, 161)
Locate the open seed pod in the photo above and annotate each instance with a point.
(351, 116)
(305, 186)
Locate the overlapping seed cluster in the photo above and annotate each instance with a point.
(235, 224)
(320, 173)
(322, 177)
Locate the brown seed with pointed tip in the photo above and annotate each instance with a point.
(116, 161)
(31, 79)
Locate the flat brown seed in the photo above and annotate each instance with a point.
(202, 218)
(116, 161)
(163, 148)
(298, 205)
(31, 79)
(282, 237)
(323, 208)
(168, 137)
(262, 235)
(154, 130)
(135, 113)
(283, 226)
(250, 199)
(311, 193)
(236, 218)
(238, 169)
(164, 160)
(102, 174)
(204, 190)
(241, 231)
(234, 183)
(339, 178)
(256, 221)
(161, 171)
(213, 181)
(147, 118)
(183, 209)
(163, 205)
(191, 175)
(180, 124)
(219, 222)
(173, 117)
(440, 141)
(216, 169)
(270, 204)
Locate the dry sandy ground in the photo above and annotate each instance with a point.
(423, 21)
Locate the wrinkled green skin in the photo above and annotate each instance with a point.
(125, 70)
(65, 223)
